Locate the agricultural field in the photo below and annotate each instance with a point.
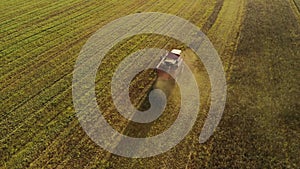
(258, 42)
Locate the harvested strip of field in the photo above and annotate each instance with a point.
(262, 117)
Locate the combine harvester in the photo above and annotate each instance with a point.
(172, 63)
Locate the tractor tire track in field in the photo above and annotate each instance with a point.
(227, 53)
(205, 28)
(213, 17)
(297, 4)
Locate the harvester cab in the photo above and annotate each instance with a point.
(171, 63)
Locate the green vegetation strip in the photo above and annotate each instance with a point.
(51, 74)
(47, 32)
(38, 81)
(20, 8)
(45, 57)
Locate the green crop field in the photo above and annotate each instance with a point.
(258, 42)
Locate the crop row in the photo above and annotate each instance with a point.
(30, 128)
(21, 65)
(41, 35)
(34, 16)
(41, 62)
(19, 8)
(59, 71)
(48, 24)
(69, 71)
(38, 81)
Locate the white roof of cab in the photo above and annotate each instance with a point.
(176, 51)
